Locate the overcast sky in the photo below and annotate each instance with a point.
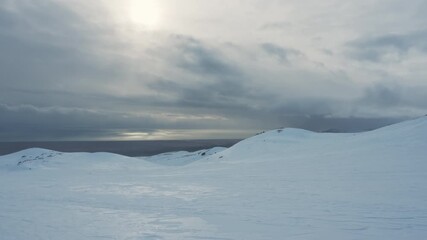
(194, 69)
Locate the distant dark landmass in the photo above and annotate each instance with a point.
(127, 148)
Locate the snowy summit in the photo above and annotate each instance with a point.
(282, 184)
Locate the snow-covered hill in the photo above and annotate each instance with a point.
(282, 184)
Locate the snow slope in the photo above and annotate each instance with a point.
(283, 184)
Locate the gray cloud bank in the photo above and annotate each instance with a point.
(68, 73)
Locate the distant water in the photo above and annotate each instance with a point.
(127, 148)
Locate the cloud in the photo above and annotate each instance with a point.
(46, 46)
(213, 80)
(33, 123)
(283, 55)
(200, 59)
(280, 25)
(388, 47)
(383, 96)
(83, 71)
(394, 98)
(57, 123)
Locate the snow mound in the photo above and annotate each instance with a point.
(408, 134)
(416, 128)
(39, 158)
(182, 157)
(282, 184)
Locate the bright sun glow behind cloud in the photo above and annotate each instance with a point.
(146, 13)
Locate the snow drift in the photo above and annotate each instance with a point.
(282, 184)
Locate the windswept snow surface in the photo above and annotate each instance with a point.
(283, 184)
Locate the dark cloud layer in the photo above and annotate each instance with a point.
(284, 55)
(52, 123)
(32, 123)
(377, 49)
(199, 59)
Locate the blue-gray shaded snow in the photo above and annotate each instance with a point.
(283, 184)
